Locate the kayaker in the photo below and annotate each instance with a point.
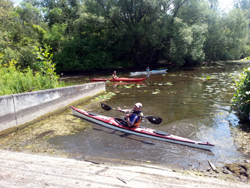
(148, 71)
(134, 116)
(114, 75)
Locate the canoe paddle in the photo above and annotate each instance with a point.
(152, 119)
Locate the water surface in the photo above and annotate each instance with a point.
(193, 104)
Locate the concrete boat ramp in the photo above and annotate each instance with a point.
(29, 171)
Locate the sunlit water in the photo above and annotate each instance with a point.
(194, 104)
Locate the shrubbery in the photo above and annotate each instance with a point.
(13, 80)
(241, 100)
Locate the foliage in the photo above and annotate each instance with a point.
(241, 100)
(79, 54)
(13, 81)
(227, 36)
(46, 65)
(98, 34)
(18, 33)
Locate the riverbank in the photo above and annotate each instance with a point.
(28, 170)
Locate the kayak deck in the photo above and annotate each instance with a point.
(120, 125)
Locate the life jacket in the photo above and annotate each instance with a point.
(138, 119)
(137, 123)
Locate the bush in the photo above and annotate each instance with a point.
(241, 100)
(13, 81)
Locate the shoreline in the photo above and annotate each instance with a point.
(29, 170)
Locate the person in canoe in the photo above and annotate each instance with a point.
(148, 71)
(134, 116)
(114, 75)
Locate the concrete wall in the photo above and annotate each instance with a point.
(19, 109)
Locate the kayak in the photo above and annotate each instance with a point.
(162, 71)
(117, 79)
(120, 125)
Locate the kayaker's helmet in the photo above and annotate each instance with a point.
(138, 105)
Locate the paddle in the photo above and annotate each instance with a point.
(152, 119)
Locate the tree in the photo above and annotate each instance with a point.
(227, 36)
(8, 26)
(143, 31)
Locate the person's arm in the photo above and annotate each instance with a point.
(128, 120)
(120, 110)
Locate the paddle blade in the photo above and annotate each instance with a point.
(106, 107)
(154, 119)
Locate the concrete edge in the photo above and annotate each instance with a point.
(20, 110)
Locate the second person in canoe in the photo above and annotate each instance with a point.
(114, 75)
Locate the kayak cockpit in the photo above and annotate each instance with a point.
(121, 122)
(161, 133)
(93, 114)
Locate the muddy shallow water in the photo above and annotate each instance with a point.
(194, 104)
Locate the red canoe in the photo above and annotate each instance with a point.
(118, 79)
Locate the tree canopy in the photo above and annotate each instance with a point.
(105, 34)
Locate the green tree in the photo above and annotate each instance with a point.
(145, 31)
(227, 35)
(7, 26)
(18, 33)
(101, 34)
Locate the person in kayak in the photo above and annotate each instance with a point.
(134, 116)
(148, 71)
(114, 75)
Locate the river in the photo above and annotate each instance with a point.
(193, 104)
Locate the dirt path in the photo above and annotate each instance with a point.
(28, 170)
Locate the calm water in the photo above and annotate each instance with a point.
(194, 104)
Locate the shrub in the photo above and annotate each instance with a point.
(241, 100)
(13, 80)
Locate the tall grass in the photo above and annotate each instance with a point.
(13, 81)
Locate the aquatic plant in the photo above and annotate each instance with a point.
(107, 95)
